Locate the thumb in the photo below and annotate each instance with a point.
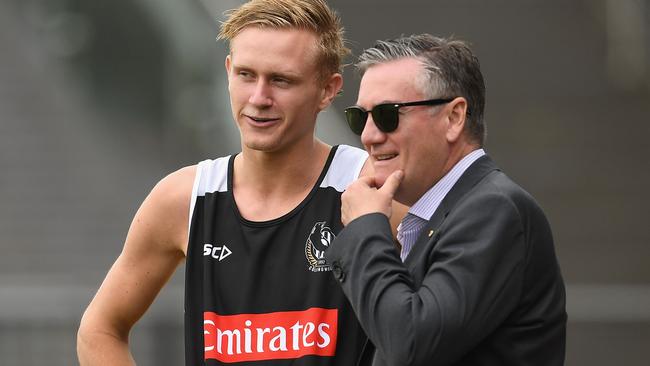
(392, 183)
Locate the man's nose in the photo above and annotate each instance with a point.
(371, 134)
(261, 95)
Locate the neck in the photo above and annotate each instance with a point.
(268, 185)
(289, 170)
(457, 154)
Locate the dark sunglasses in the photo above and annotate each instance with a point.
(385, 116)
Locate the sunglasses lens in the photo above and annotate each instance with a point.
(385, 117)
(356, 118)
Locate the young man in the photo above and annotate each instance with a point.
(258, 288)
(477, 281)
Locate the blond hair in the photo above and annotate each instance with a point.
(311, 15)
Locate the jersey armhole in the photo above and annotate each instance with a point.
(195, 191)
(361, 159)
(359, 167)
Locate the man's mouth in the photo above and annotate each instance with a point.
(262, 119)
(382, 157)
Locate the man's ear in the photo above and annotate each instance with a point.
(456, 117)
(331, 88)
(228, 64)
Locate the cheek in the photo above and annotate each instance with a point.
(296, 107)
(235, 100)
(415, 155)
(234, 86)
(240, 91)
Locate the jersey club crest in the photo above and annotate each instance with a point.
(317, 243)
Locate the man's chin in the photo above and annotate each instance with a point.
(381, 175)
(380, 179)
(262, 145)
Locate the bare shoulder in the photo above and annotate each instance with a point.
(154, 246)
(175, 187)
(164, 214)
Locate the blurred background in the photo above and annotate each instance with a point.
(101, 99)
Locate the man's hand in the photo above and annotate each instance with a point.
(363, 197)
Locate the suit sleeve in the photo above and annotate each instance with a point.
(473, 274)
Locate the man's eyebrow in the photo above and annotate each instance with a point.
(240, 67)
(282, 74)
(286, 74)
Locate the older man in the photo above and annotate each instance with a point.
(477, 281)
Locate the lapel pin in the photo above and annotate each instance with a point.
(431, 233)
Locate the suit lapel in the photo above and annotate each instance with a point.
(475, 173)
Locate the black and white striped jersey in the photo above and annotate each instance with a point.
(261, 292)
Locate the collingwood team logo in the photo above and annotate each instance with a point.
(318, 241)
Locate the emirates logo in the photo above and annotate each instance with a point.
(270, 336)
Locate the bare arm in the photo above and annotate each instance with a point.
(155, 245)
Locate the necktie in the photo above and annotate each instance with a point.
(407, 233)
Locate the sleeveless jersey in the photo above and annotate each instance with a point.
(261, 293)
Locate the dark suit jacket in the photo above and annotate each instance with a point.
(481, 286)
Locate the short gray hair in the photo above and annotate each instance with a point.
(452, 70)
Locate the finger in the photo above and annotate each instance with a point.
(345, 207)
(344, 217)
(367, 181)
(392, 183)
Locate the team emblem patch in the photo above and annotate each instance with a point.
(317, 243)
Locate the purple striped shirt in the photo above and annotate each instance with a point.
(420, 213)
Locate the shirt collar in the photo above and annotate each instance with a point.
(429, 202)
